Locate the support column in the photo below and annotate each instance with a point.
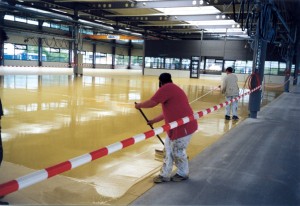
(260, 49)
(75, 50)
(287, 75)
(40, 52)
(94, 56)
(70, 54)
(40, 44)
(113, 52)
(76, 68)
(129, 54)
(3, 37)
(296, 72)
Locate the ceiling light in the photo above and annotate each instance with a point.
(224, 30)
(194, 2)
(60, 11)
(212, 22)
(189, 10)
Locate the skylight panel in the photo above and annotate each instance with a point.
(212, 22)
(189, 10)
(235, 30)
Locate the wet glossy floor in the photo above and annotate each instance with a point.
(52, 116)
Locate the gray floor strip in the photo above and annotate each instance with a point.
(255, 163)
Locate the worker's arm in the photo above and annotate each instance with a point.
(156, 119)
(146, 104)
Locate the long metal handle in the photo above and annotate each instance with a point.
(150, 124)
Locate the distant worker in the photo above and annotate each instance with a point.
(175, 105)
(231, 90)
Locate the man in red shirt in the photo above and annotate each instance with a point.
(175, 106)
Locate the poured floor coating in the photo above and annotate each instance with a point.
(52, 116)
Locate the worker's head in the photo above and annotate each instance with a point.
(164, 78)
(229, 70)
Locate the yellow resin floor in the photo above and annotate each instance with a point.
(52, 116)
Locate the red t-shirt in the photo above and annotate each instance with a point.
(175, 106)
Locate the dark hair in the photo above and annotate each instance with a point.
(229, 69)
(165, 78)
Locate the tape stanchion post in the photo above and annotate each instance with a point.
(40, 175)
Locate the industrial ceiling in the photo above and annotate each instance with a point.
(161, 19)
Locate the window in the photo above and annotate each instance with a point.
(293, 69)
(88, 57)
(140, 60)
(249, 66)
(126, 60)
(119, 60)
(172, 63)
(20, 51)
(64, 55)
(101, 58)
(282, 68)
(55, 26)
(229, 63)
(9, 51)
(55, 54)
(30, 53)
(32, 21)
(148, 62)
(137, 60)
(46, 24)
(20, 19)
(86, 31)
(271, 67)
(240, 67)
(157, 63)
(109, 59)
(214, 65)
(185, 64)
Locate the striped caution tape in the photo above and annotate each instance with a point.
(40, 175)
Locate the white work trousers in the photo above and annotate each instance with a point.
(233, 106)
(175, 151)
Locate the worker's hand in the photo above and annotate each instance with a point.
(137, 105)
(150, 122)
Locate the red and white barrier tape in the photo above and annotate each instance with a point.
(40, 175)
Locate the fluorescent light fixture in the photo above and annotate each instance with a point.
(99, 21)
(223, 30)
(9, 17)
(38, 10)
(60, 11)
(189, 10)
(95, 24)
(212, 22)
(129, 32)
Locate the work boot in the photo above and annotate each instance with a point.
(227, 117)
(160, 179)
(178, 178)
(235, 117)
